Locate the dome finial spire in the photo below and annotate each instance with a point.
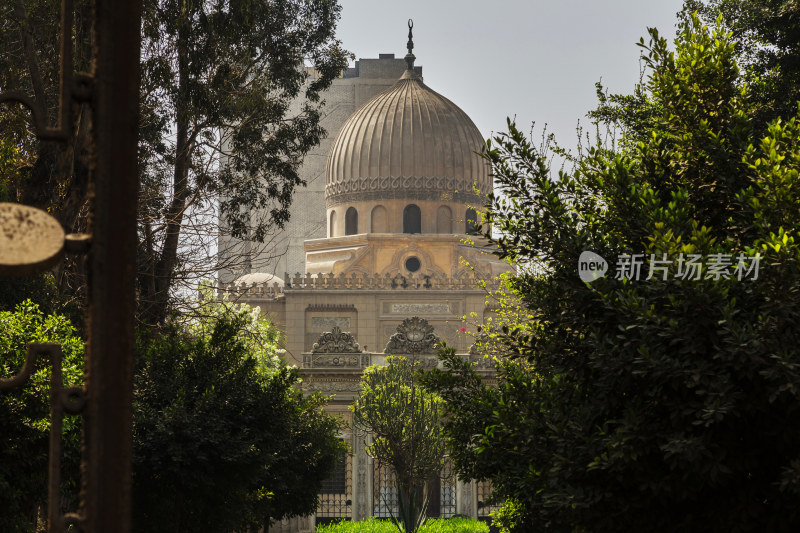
(410, 57)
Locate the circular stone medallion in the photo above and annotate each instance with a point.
(31, 241)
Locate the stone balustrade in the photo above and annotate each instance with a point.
(265, 290)
(363, 281)
(357, 362)
(355, 282)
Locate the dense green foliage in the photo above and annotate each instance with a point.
(257, 334)
(435, 525)
(767, 35)
(663, 403)
(25, 416)
(403, 420)
(228, 113)
(222, 437)
(220, 444)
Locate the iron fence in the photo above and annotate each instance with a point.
(336, 494)
(442, 491)
(483, 490)
(384, 492)
(447, 492)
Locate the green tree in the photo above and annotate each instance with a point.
(220, 444)
(47, 175)
(767, 34)
(403, 420)
(663, 404)
(228, 112)
(258, 335)
(25, 416)
(44, 174)
(767, 45)
(230, 104)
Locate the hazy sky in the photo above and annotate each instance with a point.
(533, 59)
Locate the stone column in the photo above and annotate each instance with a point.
(362, 479)
(465, 499)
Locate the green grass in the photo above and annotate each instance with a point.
(434, 525)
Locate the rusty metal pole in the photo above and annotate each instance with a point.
(112, 260)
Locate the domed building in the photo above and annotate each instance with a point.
(405, 162)
(402, 183)
(394, 272)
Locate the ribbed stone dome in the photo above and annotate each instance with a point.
(408, 142)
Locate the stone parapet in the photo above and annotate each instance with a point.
(266, 291)
(353, 281)
(365, 281)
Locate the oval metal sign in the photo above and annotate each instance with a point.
(31, 241)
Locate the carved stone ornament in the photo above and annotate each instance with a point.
(414, 336)
(336, 341)
(331, 386)
(465, 502)
(335, 361)
(362, 491)
(428, 362)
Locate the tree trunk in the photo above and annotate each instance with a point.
(156, 277)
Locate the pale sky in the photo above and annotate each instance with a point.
(536, 60)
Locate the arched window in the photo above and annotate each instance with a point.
(471, 226)
(332, 225)
(351, 221)
(444, 220)
(379, 220)
(412, 219)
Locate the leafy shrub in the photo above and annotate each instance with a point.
(436, 525)
(221, 440)
(25, 415)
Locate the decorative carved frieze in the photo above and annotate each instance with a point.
(336, 341)
(330, 307)
(312, 385)
(413, 336)
(328, 323)
(323, 360)
(407, 187)
(421, 308)
(334, 361)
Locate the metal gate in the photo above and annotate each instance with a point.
(111, 91)
(484, 493)
(442, 491)
(336, 494)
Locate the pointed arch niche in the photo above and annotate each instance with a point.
(471, 226)
(379, 220)
(412, 219)
(351, 221)
(444, 220)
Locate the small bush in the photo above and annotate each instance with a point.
(436, 525)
